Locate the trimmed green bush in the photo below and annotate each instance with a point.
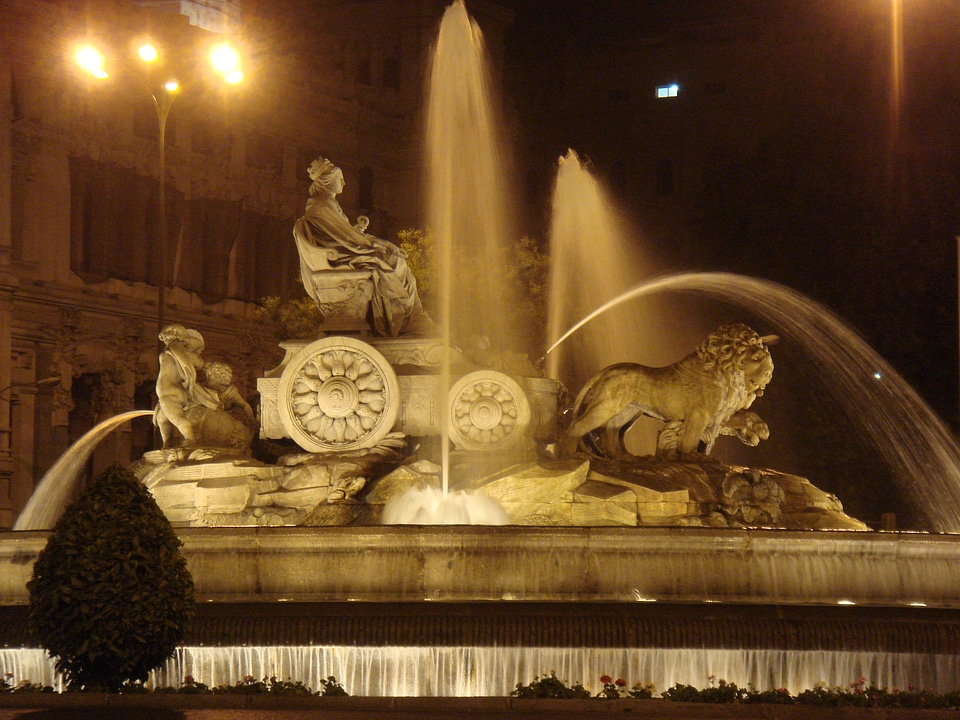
(110, 596)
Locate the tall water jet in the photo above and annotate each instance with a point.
(467, 211)
(467, 186)
(594, 257)
(921, 452)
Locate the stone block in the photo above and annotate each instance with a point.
(175, 495)
(398, 482)
(539, 513)
(536, 483)
(224, 495)
(600, 513)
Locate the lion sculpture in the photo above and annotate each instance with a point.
(704, 395)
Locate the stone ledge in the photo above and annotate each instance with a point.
(239, 707)
(529, 564)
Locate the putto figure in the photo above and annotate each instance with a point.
(327, 240)
(191, 413)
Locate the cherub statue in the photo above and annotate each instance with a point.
(177, 386)
(202, 415)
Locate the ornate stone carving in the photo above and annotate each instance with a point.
(487, 410)
(212, 414)
(338, 393)
(329, 245)
(69, 317)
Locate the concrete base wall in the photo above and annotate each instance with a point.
(474, 564)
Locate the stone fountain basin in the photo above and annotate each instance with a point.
(475, 564)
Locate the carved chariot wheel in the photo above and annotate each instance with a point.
(488, 411)
(338, 393)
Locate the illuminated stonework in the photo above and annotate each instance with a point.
(488, 410)
(338, 393)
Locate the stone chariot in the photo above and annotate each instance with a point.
(349, 390)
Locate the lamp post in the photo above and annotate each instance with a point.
(224, 60)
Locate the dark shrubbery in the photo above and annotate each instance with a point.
(858, 694)
(110, 596)
(550, 687)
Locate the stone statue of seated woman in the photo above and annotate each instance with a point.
(328, 243)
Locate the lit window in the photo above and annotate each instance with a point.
(667, 91)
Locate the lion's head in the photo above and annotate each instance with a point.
(739, 354)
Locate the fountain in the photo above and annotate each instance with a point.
(650, 569)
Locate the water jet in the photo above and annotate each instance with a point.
(572, 584)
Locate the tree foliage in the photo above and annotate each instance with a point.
(296, 318)
(111, 596)
(523, 266)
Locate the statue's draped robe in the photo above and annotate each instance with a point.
(325, 238)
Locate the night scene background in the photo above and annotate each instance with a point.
(811, 143)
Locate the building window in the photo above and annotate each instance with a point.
(265, 152)
(145, 125)
(664, 176)
(668, 91)
(366, 189)
(618, 176)
(391, 72)
(212, 138)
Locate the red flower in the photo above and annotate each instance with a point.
(606, 679)
(621, 682)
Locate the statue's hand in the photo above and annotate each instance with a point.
(389, 248)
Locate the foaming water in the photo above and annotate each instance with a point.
(399, 671)
(595, 256)
(53, 494)
(430, 506)
(913, 441)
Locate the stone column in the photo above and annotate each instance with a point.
(8, 285)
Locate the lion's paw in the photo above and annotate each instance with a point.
(747, 427)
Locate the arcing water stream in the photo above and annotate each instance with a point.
(55, 490)
(920, 450)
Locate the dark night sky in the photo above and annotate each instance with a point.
(886, 265)
(812, 208)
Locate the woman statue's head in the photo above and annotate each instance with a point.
(326, 175)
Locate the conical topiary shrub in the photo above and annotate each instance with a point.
(110, 596)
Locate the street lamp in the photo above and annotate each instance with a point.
(224, 60)
(47, 382)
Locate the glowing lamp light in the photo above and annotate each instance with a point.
(90, 60)
(171, 86)
(224, 59)
(234, 78)
(148, 53)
